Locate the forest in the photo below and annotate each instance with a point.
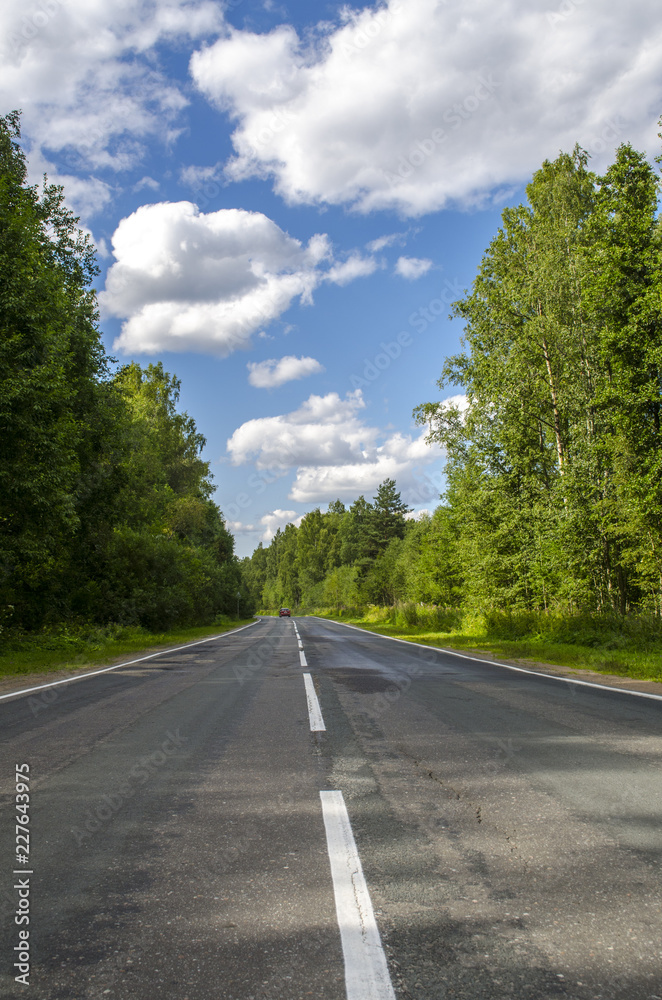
(106, 510)
(553, 499)
(368, 553)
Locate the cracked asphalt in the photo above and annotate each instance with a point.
(509, 825)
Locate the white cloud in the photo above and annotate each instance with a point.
(146, 182)
(386, 241)
(412, 107)
(87, 79)
(85, 196)
(334, 452)
(354, 267)
(101, 245)
(195, 177)
(418, 515)
(412, 268)
(459, 401)
(186, 281)
(239, 528)
(276, 371)
(325, 429)
(397, 458)
(278, 519)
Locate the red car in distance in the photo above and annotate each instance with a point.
(284, 613)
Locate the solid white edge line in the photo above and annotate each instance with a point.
(366, 972)
(302, 658)
(127, 663)
(497, 663)
(314, 710)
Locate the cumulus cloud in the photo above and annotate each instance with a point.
(277, 371)
(188, 281)
(266, 527)
(452, 108)
(418, 515)
(324, 429)
(412, 268)
(335, 453)
(90, 87)
(278, 519)
(395, 459)
(239, 528)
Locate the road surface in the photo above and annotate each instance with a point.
(301, 809)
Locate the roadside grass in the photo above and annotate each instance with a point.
(637, 664)
(80, 648)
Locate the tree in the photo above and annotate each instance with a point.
(388, 518)
(55, 403)
(356, 542)
(554, 470)
(105, 501)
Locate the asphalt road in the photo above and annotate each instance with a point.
(509, 826)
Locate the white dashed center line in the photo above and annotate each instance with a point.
(302, 658)
(366, 971)
(314, 710)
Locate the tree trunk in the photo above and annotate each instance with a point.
(555, 406)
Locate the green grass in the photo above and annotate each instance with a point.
(636, 664)
(85, 648)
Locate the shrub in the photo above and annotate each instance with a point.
(603, 631)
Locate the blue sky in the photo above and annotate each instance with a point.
(286, 197)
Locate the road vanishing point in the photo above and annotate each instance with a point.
(303, 809)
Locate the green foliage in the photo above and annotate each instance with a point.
(554, 497)
(340, 589)
(155, 580)
(605, 631)
(336, 558)
(54, 405)
(82, 644)
(548, 542)
(105, 502)
(636, 659)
